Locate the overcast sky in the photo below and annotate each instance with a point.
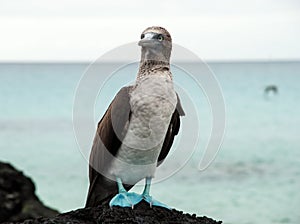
(82, 30)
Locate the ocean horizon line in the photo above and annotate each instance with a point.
(209, 61)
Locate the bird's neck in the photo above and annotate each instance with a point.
(152, 67)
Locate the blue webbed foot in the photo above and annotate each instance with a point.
(146, 196)
(125, 199)
(154, 202)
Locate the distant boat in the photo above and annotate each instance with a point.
(271, 89)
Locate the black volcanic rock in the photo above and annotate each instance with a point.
(142, 213)
(19, 204)
(17, 197)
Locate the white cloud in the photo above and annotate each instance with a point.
(80, 30)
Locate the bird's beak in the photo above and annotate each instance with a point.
(147, 41)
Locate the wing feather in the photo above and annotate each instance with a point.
(110, 132)
(172, 131)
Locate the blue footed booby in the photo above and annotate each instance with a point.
(137, 131)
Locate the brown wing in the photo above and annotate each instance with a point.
(111, 130)
(172, 131)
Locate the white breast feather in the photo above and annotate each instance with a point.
(153, 102)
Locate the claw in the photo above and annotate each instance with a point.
(153, 202)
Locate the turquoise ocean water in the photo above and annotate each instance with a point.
(255, 177)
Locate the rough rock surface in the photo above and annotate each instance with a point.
(142, 213)
(19, 204)
(17, 197)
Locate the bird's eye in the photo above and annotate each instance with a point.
(142, 36)
(160, 37)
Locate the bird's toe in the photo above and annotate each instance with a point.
(125, 200)
(154, 202)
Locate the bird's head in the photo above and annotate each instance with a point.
(156, 43)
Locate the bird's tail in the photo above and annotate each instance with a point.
(101, 190)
